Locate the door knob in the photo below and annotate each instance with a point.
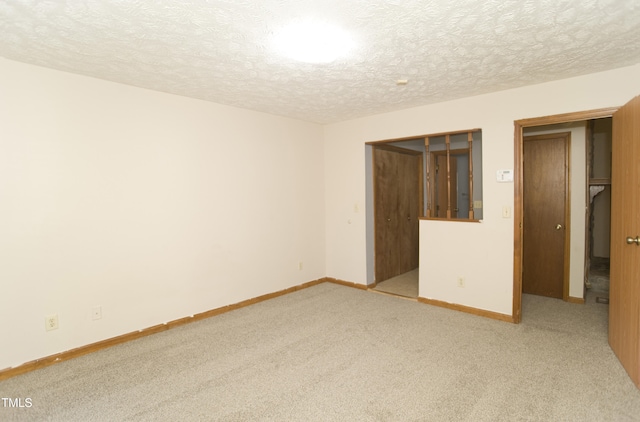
(631, 240)
(558, 226)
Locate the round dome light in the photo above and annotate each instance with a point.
(313, 42)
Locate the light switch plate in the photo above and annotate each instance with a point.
(504, 176)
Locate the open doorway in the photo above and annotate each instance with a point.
(396, 196)
(435, 176)
(574, 160)
(623, 309)
(588, 132)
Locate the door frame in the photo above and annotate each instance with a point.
(518, 187)
(566, 266)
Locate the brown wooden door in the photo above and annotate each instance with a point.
(397, 204)
(624, 293)
(545, 217)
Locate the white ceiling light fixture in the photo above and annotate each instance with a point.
(313, 42)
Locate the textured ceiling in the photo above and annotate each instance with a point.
(221, 50)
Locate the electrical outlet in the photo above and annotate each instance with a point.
(96, 313)
(460, 281)
(51, 322)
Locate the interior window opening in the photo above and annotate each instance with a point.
(454, 175)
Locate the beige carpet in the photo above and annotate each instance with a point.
(334, 353)
(403, 285)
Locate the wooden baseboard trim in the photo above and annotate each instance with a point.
(100, 345)
(577, 300)
(468, 309)
(379, 292)
(347, 283)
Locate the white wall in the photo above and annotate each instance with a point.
(156, 207)
(484, 251)
(150, 205)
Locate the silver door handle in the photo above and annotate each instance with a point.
(558, 226)
(631, 240)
